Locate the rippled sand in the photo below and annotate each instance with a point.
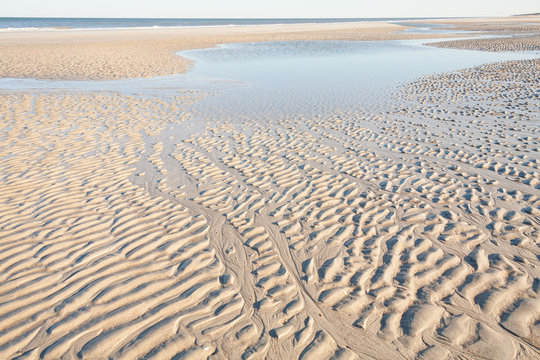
(127, 232)
(513, 43)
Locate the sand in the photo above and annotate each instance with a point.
(126, 232)
(500, 25)
(519, 33)
(514, 43)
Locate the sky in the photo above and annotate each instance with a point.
(266, 8)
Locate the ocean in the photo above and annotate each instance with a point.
(21, 23)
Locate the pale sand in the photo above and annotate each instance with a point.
(116, 54)
(523, 30)
(514, 43)
(495, 24)
(412, 233)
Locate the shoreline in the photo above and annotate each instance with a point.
(286, 21)
(119, 54)
(142, 53)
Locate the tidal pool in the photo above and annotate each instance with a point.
(297, 78)
(316, 77)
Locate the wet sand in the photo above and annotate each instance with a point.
(127, 233)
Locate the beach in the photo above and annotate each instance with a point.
(130, 228)
(132, 53)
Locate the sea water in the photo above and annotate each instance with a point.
(36, 23)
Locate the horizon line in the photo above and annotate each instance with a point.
(265, 18)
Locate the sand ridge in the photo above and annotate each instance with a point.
(359, 235)
(514, 43)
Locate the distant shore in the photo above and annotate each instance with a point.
(140, 53)
(46, 24)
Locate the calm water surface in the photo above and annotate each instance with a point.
(305, 78)
(317, 77)
(33, 23)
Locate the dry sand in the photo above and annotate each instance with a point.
(513, 24)
(520, 34)
(412, 233)
(513, 43)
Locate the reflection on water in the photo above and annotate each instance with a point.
(315, 77)
(264, 80)
(426, 28)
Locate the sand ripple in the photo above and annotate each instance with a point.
(408, 233)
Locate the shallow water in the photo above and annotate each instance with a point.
(425, 28)
(317, 77)
(299, 78)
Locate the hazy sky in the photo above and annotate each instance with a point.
(266, 8)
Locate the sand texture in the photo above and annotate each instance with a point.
(379, 235)
(519, 33)
(499, 26)
(514, 43)
(127, 231)
(107, 54)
